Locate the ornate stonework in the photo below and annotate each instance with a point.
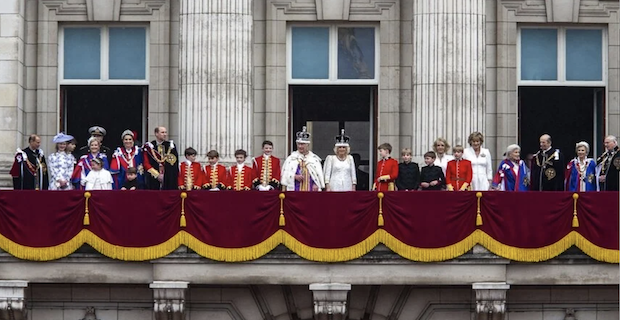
(169, 299)
(330, 300)
(12, 299)
(491, 299)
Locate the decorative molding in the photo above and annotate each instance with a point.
(526, 7)
(169, 299)
(544, 8)
(293, 7)
(90, 314)
(118, 7)
(491, 299)
(563, 10)
(370, 7)
(13, 300)
(330, 300)
(332, 9)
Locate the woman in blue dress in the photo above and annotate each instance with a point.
(581, 172)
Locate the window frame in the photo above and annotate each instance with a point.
(104, 56)
(333, 55)
(561, 58)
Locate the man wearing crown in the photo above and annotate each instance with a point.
(160, 162)
(302, 170)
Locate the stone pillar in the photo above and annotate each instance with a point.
(330, 300)
(215, 84)
(12, 299)
(169, 299)
(12, 83)
(448, 81)
(490, 300)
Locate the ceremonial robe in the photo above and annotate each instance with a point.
(29, 170)
(161, 159)
(216, 177)
(548, 171)
(191, 176)
(309, 166)
(266, 173)
(581, 177)
(511, 176)
(240, 178)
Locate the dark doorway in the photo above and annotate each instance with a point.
(568, 114)
(327, 109)
(116, 108)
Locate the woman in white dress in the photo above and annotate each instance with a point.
(339, 169)
(441, 146)
(61, 163)
(481, 162)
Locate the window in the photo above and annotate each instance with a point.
(333, 54)
(103, 55)
(561, 56)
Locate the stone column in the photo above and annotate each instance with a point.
(490, 300)
(215, 84)
(448, 81)
(169, 299)
(330, 300)
(12, 83)
(12, 299)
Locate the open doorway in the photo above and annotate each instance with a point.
(325, 110)
(568, 114)
(115, 108)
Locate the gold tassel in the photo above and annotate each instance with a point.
(575, 220)
(380, 221)
(282, 221)
(478, 216)
(86, 221)
(183, 222)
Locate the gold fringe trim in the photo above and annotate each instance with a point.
(331, 255)
(428, 254)
(231, 254)
(310, 253)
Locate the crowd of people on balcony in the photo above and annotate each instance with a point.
(156, 166)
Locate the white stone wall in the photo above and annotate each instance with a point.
(120, 302)
(12, 79)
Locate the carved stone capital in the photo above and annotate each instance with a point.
(330, 300)
(169, 299)
(12, 299)
(491, 299)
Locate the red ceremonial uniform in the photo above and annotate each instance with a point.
(458, 175)
(240, 180)
(266, 171)
(215, 177)
(387, 172)
(191, 176)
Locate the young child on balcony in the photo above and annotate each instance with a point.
(98, 178)
(131, 181)
(191, 175)
(387, 169)
(459, 172)
(240, 176)
(408, 172)
(215, 173)
(431, 177)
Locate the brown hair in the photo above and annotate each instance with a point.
(430, 154)
(385, 146)
(457, 148)
(213, 154)
(475, 136)
(131, 170)
(241, 152)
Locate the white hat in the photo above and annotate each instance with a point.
(303, 136)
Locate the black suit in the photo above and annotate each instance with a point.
(548, 171)
(408, 176)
